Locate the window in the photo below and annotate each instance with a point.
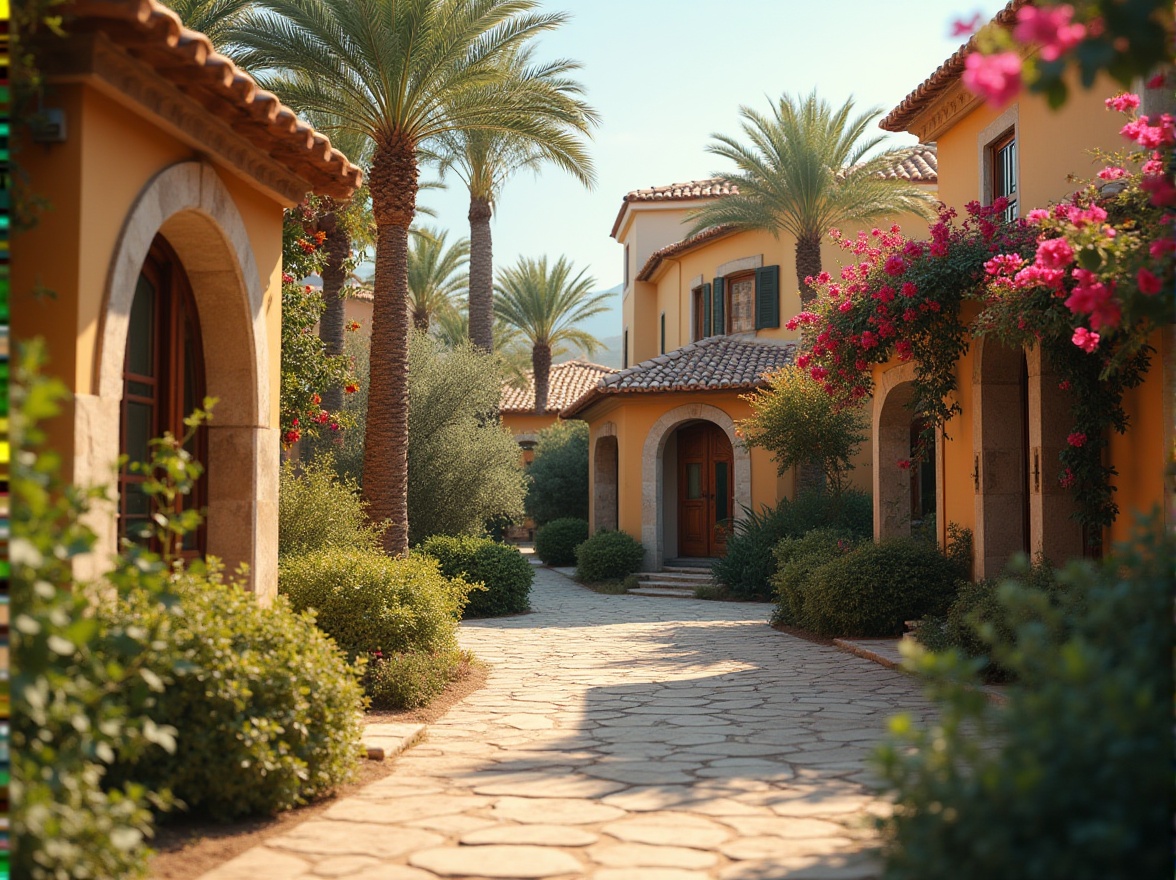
(699, 309)
(1004, 172)
(663, 333)
(163, 382)
(625, 351)
(626, 284)
(741, 303)
(922, 480)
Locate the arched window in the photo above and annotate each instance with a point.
(163, 381)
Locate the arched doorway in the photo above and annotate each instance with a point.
(604, 488)
(163, 383)
(1001, 467)
(906, 492)
(705, 489)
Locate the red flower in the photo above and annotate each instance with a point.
(1149, 284)
(293, 436)
(904, 464)
(315, 399)
(1077, 440)
(294, 422)
(351, 388)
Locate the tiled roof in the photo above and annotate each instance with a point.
(920, 165)
(710, 188)
(900, 117)
(152, 33)
(716, 363)
(566, 384)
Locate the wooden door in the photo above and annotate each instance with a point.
(705, 490)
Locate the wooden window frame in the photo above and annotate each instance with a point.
(1005, 174)
(729, 297)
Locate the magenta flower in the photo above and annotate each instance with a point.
(1054, 253)
(995, 78)
(1077, 440)
(895, 265)
(1052, 28)
(1037, 215)
(1085, 339)
(965, 27)
(1112, 172)
(1149, 284)
(1123, 102)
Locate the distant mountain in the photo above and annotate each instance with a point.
(607, 323)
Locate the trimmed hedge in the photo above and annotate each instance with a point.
(608, 555)
(501, 569)
(266, 709)
(797, 559)
(411, 679)
(873, 589)
(556, 542)
(370, 602)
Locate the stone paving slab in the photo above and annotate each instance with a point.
(623, 738)
(383, 740)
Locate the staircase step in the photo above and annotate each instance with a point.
(674, 577)
(673, 585)
(687, 569)
(663, 592)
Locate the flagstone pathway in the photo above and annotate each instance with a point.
(622, 738)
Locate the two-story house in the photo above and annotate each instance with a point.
(703, 321)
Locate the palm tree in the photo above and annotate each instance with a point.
(434, 274)
(545, 305)
(804, 171)
(403, 73)
(484, 160)
(216, 19)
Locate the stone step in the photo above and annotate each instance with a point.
(663, 592)
(674, 577)
(676, 585)
(686, 569)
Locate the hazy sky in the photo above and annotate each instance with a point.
(666, 74)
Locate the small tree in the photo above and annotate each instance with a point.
(795, 420)
(559, 473)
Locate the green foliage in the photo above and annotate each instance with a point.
(346, 447)
(559, 474)
(747, 569)
(410, 679)
(1069, 778)
(501, 569)
(795, 420)
(608, 555)
(556, 542)
(267, 709)
(874, 589)
(797, 559)
(369, 602)
(75, 709)
(317, 508)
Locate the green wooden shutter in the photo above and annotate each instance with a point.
(720, 319)
(767, 297)
(706, 310)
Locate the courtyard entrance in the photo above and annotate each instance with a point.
(705, 462)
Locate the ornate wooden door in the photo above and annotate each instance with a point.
(705, 489)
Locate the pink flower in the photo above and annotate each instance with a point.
(1149, 284)
(791, 324)
(909, 315)
(819, 373)
(1123, 102)
(995, 78)
(1150, 137)
(1085, 339)
(287, 278)
(965, 27)
(1154, 165)
(1077, 440)
(1064, 385)
(1163, 192)
(868, 340)
(1067, 479)
(904, 464)
(1037, 215)
(1051, 28)
(1162, 246)
(1054, 253)
(1112, 172)
(802, 361)
(895, 265)
(903, 350)
(845, 306)
(1156, 82)
(1003, 264)
(908, 290)
(1082, 216)
(1094, 297)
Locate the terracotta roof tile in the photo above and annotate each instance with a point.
(566, 384)
(716, 363)
(920, 165)
(710, 188)
(938, 82)
(151, 32)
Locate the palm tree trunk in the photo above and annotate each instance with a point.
(541, 367)
(420, 320)
(808, 263)
(338, 248)
(385, 457)
(481, 275)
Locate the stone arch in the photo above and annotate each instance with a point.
(1000, 438)
(892, 443)
(189, 206)
(653, 479)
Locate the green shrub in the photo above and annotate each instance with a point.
(368, 601)
(267, 709)
(317, 508)
(797, 559)
(410, 679)
(1071, 777)
(556, 542)
(747, 569)
(608, 555)
(501, 569)
(873, 589)
(559, 474)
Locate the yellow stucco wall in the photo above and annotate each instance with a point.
(527, 423)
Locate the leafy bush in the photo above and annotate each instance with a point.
(556, 542)
(1069, 778)
(747, 569)
(873, 589)
(464, 468)
(797, 559)
(267, 709)
(410, 679)
(559, 474)
(317, 508)
(608, 555)
(501, 569)
(369, 602)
